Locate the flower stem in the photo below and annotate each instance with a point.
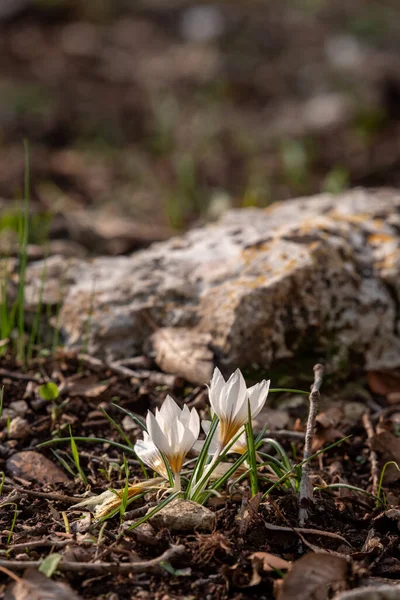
(177, 482)
(201, 484)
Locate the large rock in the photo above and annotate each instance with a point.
(318, 274)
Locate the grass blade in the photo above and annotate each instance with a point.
(89, 440)
(117, 427)
(251, 449)
(75, 455)
(202, 458)
(132, 416)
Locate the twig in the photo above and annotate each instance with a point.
(42, 544)
(137, 512)
(306, 490)
(373, 458)
(285, 434)
(10, 574)
(154, 376)
(20, 376)
(142, 566)
(140, 362)
(46, 495)
(329, 534)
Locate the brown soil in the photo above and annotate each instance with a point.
(216, 565)
(127, 113)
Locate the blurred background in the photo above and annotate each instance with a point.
(147, 117)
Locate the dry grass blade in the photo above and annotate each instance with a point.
(310, 575)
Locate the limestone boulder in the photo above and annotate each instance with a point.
(317, 275)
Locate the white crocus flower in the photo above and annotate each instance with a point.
(173, 431)
(150, 455)
(239, 446)
(229, 401)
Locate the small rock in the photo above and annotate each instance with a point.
(23, 556)
(32, 466)
(353, 411)
(7, 414)
(19, 429)
(20, 407)
(184, 515)
(128, 424)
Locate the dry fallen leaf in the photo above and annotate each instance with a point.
(384, 592)
(90, 387)
(383, 382)
(247, 513)
(326, 424)
(310, 575)
(388, 445)
(36, 586)
(33, 466)
(264, 562)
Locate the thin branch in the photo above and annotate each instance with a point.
(20, 376)
(296, 436)
(305, 530)
(46, 495)
(373, 457)
(22, 546)
(142, 566)
(154, 376)
(306, 490)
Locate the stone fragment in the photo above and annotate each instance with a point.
(19, 407)
(18, 429)
(128, 424)
(33, 466)
(312, 277)
(182, 516)
(184, 352)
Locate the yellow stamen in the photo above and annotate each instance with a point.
(228, 430)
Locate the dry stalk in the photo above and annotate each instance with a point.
(306, 490)
(373, 458)
(142, 566)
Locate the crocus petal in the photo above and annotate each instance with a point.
(156, 434)
(184, 417)
(194, 423)
(216, 389)
(231, 404)
(173, 431)
(240, 446)
(168, 413)
(237, 398)
(258, 396)
(150, 455)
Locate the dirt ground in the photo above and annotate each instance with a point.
(218, 565)
(140, 124)
(166, 113)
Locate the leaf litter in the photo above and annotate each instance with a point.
(257, 548)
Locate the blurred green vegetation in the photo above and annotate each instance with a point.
(124, 109)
